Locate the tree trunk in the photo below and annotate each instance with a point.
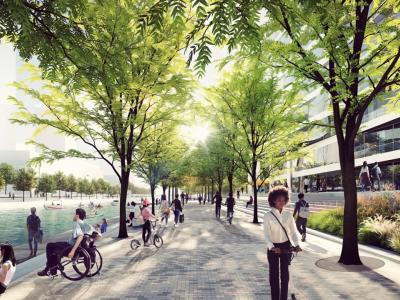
(46, 196)
(152, 189)
(254, 183)
(164, 189)
(169, 194)
(212, 191)
(5, 187)
(123, 233)
(230, 183)
(59, 195)
(23, 196)
(349, 255)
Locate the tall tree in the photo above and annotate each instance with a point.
(24, 180)
(8, 173)
(110, 78)
(60, 182)
(83, 186)
(46, 184)
(71, 184)
(261, 122)
(155, 156)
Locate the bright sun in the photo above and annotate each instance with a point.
(196, 133)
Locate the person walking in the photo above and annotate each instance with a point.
(376, 175)
(230, 204)
(218, 202)
(364, 177)
(33, 227)
(7, 266)
(183, 198)
(280, 235)
(164, 208)
(306, 184)
(177, 209)
(238, 194)
(301, 208)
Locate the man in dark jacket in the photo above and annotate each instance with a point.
(218, 202)
(33, 227)
(302, 210)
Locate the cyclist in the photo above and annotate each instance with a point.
(230, 203)
(54, 250)
(147, 216)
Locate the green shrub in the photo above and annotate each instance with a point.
(366, 236)
(394, 241)
(329, 221)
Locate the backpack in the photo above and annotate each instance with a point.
(34, 223)
(304, 210)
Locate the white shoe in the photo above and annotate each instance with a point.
(166, 225)
(176, 225)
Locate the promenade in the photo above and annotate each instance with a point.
(209, 259)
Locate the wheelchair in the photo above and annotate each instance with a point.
(87, 261)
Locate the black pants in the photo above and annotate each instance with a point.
(279, 262)
(2, 288)
(146, 228)
(248, 203)
(301, 224)
(306, 188)
(54, 251)
(217, 211)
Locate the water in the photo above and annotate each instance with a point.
(53, 222)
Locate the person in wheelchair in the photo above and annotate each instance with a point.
(54, 251)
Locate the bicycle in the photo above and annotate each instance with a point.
(154, 239)
(87, 261)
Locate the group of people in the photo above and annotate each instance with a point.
(230, 203)
(369, 178)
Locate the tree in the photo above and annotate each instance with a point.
(153, 158)
(24, 180)
(259, 122)
(7, 172)
(46, 184)
(83, 186)
(61, 182)
(110, 78)
(350, 49)
(71, 184)
(359, 41)
(2, 181)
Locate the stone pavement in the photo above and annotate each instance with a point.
(207, 259)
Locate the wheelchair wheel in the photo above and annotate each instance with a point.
(135, 244)
(158, 241)
(96, 261)
(76, 268)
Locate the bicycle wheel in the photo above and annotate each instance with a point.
(135, 244)
(158, 241)
(96, 262)
(76, 268)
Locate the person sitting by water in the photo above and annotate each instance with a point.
(103, 227)
(250, 202)
(54, 250)
(7, 266)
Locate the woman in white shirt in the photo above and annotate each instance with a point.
(280, 234)
(364, 176)
(7, 266)
(164, 207)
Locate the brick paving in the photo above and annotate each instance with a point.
(206, 259)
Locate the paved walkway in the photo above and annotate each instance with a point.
(207, 259)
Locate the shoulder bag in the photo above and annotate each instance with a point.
(289, 254)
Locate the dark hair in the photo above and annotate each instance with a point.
(277, 191)
(8, 251)
(163, 197)
(105, 221)
(230, 194)
(300, 195)
(133, 203)
(177, 196)
(81, 213)
(365, 164)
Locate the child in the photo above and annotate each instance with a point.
(147, 215)
(7, 266)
